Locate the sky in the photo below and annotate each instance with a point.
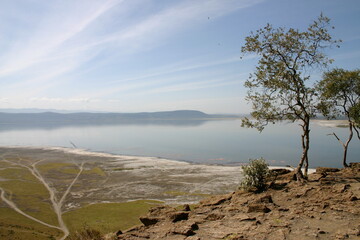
(149, 55)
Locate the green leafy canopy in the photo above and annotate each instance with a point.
(340, 94)
(277, 89)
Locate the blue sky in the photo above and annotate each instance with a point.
(148, 55)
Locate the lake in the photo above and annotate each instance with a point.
(205, 142)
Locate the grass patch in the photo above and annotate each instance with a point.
(122, 169)
(15, 226)
(32, 198)
(176, 193)
(97, 171)
(108, 217)
(5, 164)
(51, 166)
(129, 169)
(19, 173)
(67, 168)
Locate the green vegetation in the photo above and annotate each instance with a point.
(54, 166)
(68, 168)
(16, 173)
(95, 170)
(15, 226)
(122, 169)
(28, 194)
(108, 217)
(279, 88)
(86, 233)
(59, 167)
(255, 175)
(340, 96)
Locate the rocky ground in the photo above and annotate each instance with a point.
(327, 206)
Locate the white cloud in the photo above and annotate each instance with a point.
(68, 22)
(64, 36)
(64, 100)
(186, 14)
(160, 77)
(4, 100)
(56, 27)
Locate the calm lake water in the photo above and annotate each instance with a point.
(206, 142)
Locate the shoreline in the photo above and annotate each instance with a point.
(121, 178)
(86, 181)
(326, 207)
(89, 152)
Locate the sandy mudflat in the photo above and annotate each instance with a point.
(116, 178)
(331, 123)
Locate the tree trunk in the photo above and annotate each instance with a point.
(306, 166)
(305, 140)
(344, 157)
(347, 144)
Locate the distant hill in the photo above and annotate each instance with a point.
(104, 118)
(39, 110)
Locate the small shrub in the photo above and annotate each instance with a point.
(255, 175)
(86, 233)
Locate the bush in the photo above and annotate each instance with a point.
(86, 233)
(255, 175)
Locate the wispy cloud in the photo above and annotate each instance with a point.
(347, 55)
(195, 85)
(64, 22)
(58, 40)
(167, 75)
(46, 99)
(177, 68)
(185, 14)
(4, 100)
(56, 27)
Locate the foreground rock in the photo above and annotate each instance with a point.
(326, 207)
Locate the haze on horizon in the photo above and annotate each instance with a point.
(148, 55)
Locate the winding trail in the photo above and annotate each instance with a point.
(56, 204)
(14, 207)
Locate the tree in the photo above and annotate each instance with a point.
(340, 96)
(278, 89)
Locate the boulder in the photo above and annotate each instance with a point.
(186, 229)
(265, 199)
(255, 207)
(186, 208)
(214, 217)
(324, 170)
(216, 200)
(355, 165)
(279, 171)
(315, 177)
(147, 221)
(178, 216)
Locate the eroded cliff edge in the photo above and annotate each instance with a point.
(326, 207)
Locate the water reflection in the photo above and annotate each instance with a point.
(198, 141)
(26, 125)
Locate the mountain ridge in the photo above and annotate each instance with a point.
(107, 117)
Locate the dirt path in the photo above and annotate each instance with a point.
(57, 204)
(13, 206)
